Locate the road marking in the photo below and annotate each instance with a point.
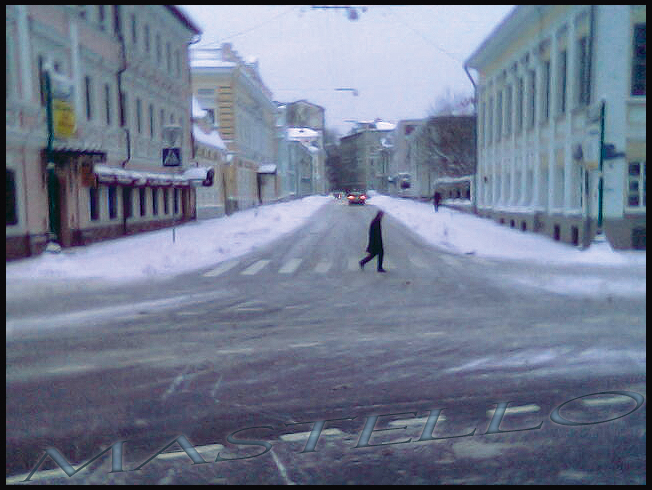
(255, 268)
(290, 266)
(323, 266)
(222, 268)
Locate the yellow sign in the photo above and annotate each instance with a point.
(63, 119)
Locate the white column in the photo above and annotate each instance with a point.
(554, 75)
(24, 51)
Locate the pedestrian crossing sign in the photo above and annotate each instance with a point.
(171, 157)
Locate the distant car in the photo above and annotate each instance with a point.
(356, 197)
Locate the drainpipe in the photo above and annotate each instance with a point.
(477, 160)
(122, 69)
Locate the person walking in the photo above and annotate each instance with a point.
(375, 246)
(436, 200)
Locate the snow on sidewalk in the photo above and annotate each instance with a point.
(152, 255)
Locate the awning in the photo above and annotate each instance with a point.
(116, 175)
(269, 168)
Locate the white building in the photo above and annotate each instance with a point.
(553, 83)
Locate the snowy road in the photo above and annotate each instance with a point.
(293, 332)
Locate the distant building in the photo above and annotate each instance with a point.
(210, 153)
(560, 93)
(402, 170)
(366, 155)
(113, 160)
(231, 90)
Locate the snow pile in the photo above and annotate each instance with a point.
(154, 254)
(463, 233)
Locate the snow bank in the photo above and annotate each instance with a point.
(463, 233)
(155, 255)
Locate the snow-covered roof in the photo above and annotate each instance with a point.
(302, 133)
(211, 139)
(207, 63)
(197, 111)
(268, 168)
(383, 125)
(106, 173)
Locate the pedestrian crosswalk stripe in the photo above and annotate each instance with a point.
(222, 268)
(255, 267)
(323, 266)
(290, 266)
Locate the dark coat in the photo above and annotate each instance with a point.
(375, 236)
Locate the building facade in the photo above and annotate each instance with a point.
(366, 156)
(561, 122)
(95, 93)
(402, 170)
(211, 155)
(231, 90)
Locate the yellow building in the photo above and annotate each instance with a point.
(230, 89)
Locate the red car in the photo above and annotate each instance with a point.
(356, 197)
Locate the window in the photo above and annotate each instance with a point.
(490, 120)
(638, 61)
(508, 110)
(12, 205)
(636, 184)
(162, 121)
(177, 59)
(154, 201)
(159, 52)
(94, 203)
(139, 121)
(519, 104)
(151, 121)
(127, 201)
(532, 98)
(168, 57)
(142, 199)
(41, 78)
(101, 17)
(107, 100)
(89, 97)
(146, 38)
(176, 201)
(166, 209)
(117, 28)
(113, 203)
(124, 114)
(584, 71)
(499, 115)
(563, 60)
(134, 30)
(545, 99)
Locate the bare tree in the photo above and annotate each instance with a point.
(453, 104)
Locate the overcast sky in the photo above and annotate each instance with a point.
(400, 58)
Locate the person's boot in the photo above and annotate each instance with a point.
(382, 270)
(361, 265)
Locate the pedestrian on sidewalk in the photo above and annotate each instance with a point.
(436, 199)
(375, 246)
